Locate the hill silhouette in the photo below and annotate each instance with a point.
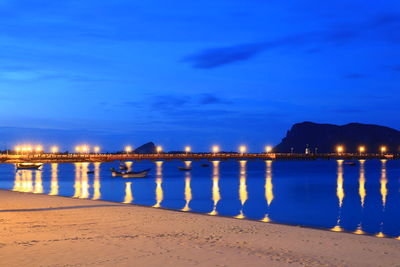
(324, 138)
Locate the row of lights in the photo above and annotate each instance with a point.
(361, 149)
(188, 149)
(214, 149)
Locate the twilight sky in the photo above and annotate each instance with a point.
(225, 72)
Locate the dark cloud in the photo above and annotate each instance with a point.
(215, 57)
(383, 27)
(208, 99)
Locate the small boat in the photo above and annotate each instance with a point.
(185, 168)
(350, 163)
(116, 173)
(140, 174)
(204, 165)
(123, 168)
(29, 166)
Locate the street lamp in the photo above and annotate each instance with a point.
(17, 149)
(85, 149)
(78, 149)
(383, 149)
(339, 149)
(187, 149)
(242, 149)
(96, 149)
(361, 149)
(39, 149)
(54, 149)
(268, 149)
(159, 149)
(128, 149)
(215, 149)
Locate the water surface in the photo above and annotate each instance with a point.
(363, 199)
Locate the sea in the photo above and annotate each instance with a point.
(361, 198)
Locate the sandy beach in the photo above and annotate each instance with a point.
(40, 230)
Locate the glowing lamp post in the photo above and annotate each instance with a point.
(78, 149)
(242, 149)
(54, 149)
(383, 149)
(268, 149)
(96, 149)
(361, 149)
(187, 149)
(85, 149)
(17, 149)
(339, 149)
(128, 149)
(215, 149)
(39, 149)
(159, 149)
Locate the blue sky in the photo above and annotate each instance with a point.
(193, 72)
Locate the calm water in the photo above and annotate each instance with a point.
(364, 199)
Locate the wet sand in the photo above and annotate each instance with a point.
(40, 230)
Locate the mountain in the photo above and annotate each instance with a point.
(325, 137)
(148, 148)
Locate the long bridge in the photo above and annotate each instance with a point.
(100, 157)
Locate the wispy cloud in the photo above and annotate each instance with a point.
(382, 27)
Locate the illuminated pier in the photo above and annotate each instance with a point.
(97, 157)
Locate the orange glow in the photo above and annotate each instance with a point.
(361, 149)
(187, 149)
(78, 149)
(340, 149)
(128, 149)
(268, 149)
(242, 149)
(383, 149)
(54, 149)
(39, 148)
(159, 149)
(215, 149)
(96, 149)
(85, 149)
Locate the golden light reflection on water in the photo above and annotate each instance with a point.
(128, 193)
(339, 183)
(85, 181)
(188, 189)
(81, 184)
(159, 190)
(96, 182)
(383, 182)
(128, 164)
(215, 187)
(361, 189)
(269, 193)
(77, 184)
(38, 183)
(339, 193)
(242, 188)
(54, 179)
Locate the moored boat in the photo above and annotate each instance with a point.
(141, 174)
(185, 168)
(28, 166)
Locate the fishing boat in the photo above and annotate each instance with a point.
(140, 174)
(185, 168)
(123, 168)
(28, 166)
(115, 173)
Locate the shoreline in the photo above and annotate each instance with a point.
(56, 230)
(342, 231)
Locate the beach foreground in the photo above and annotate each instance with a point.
(40, 230)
